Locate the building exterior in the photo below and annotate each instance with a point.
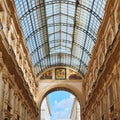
(75, 113)
(45, 109)
(64, 65)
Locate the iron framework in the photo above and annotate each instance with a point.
(60, 32)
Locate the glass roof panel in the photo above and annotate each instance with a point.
(60, 32)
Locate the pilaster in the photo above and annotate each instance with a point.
(1, 87)
(106, 115)
(16, 105)
(6, 95)
(12, 102)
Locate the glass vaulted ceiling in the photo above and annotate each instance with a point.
(60, 32)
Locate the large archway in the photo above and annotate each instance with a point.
(60, 105)
(61, 86)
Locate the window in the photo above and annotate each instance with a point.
(18, 117)
(14, 104)
(111, 98)
(102, 108)
(18, 106)
(9, 98)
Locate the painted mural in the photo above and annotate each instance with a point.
(47, 75)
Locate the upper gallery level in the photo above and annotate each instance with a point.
(14, 40)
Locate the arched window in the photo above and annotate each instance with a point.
(102, 108)
(5, 119)
(9, 98)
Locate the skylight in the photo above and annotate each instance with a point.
(60, 32)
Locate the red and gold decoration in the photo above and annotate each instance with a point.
(74, 77)
(47, 75)
(60, 74)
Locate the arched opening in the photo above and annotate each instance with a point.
(60, 105)
(6, 119)
(63, 87)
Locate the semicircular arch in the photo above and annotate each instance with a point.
(61, 86)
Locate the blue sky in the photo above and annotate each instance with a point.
(61, 104)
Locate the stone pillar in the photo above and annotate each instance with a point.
(1, 88)
(16, 107)
(6, 94)
(116, 97)
(23, 111)
(78, 110)
(28, 117)
(115, 92)
(98, 111)
(20, 113)
(12, 103)
(106, 110)
(118, 93)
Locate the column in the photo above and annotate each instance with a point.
(20, 114)
(98, 110)
(15, 106)
(1, 93)
(78, 110)
(106, 110)
(1, 86)
(6, 95)
(116, 96)
(118, 93)
(28, 115)
(23, 111)
(12, 102)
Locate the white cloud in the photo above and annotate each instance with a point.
(62, 109)
(64, 103)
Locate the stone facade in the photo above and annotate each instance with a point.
(15, 100)
(45, 109)
(17, 79)
(103, 77)
(21, 92)
(75, 112)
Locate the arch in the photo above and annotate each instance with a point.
(6, 118)
(61, 86)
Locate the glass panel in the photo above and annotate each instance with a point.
(59, 31)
